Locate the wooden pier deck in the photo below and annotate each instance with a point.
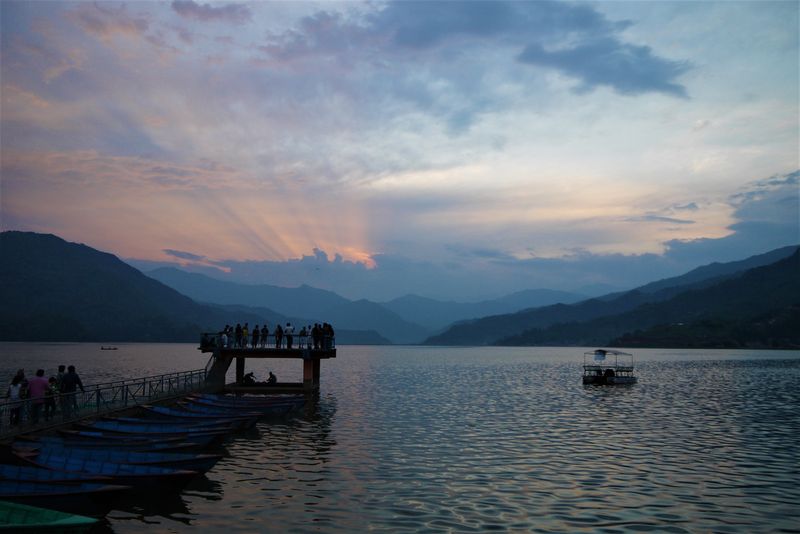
(223, 357)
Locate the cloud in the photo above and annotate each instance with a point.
(626, 68)
(184, 255)
(533, 33)
(233, 13)
(658, 218)
(105, 23)
(767, 216)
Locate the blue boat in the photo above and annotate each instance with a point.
(136, 476)
(151, 445)
(27, 473)
(94, 500)
(202, 439)
(146, 430)
(282, 408)
(193, 462)
(231, 423)
(163, 412)
(232, 400)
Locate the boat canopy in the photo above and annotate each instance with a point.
(605, 352)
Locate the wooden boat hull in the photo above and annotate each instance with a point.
(22, 518)
(170, 445)
(94, 500)
(136, 476)
(152, 430)
(202, 439)
(165, 413)
(38, 475)
(275, 409)
(201, 462)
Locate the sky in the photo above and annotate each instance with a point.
(456, 150)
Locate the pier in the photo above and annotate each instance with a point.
(223, 355)
(100, 399)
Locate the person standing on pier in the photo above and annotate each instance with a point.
(264, 335)
(238, 336)
(14, 394)
(245, 335)
(37, 387)
(289, 333)
(256, 335)
(278, 336)
(50, 399)
(69, 389)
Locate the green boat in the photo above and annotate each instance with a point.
(22, 518)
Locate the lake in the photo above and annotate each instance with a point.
(409, 439)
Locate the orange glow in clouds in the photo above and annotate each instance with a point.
(136, 208)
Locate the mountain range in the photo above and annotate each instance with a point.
(53, 290)
(408, 319)
(740, 293)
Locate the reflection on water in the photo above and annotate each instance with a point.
(410, 439)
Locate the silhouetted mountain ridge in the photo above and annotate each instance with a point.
(490, 330)
(53, 290)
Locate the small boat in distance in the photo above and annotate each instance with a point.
(108, 348)
(599, 370)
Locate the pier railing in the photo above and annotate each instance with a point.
(96, 399)
(211, 340)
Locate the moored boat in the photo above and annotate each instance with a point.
(168, 445)
(599, 369)
(166, 413)
(200, 462)
(136, 476)
(98, 437)
(94, 500)
(277, 408)
(155, 429)
(23, 518)
(26, 473)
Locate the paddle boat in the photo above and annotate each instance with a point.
(604, 367)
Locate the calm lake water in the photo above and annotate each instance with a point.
(410, 439)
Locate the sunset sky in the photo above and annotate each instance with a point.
(454, 150)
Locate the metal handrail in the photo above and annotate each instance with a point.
(214, 339)
(96, 399)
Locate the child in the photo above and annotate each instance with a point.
(50, 398)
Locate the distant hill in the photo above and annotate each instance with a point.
(740, 303)
(53, 290)
(489, 330)
(777, 329)
(436, 314)
(315, 305)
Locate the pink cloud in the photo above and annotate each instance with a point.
(107, 23)
(233, 13)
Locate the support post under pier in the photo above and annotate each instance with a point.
(311, 373)
(240, 369)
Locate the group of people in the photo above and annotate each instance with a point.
(319, 336)
(30, 397)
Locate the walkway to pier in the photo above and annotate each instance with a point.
(100, 399)
(300, 347)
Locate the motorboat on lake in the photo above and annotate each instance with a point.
(603, 367)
